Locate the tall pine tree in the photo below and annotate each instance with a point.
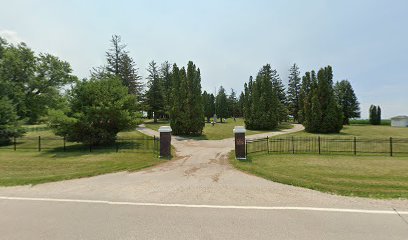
(187, 112)
(279, 90)
(154, 94)
(294, 89)
(321, 113)
(262, 103)
(166, 79)
(221, 104)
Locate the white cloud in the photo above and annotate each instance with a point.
(10, 36)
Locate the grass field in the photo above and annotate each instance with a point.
(27, 166)
(363, 176)
(367, 131)
(216, 132)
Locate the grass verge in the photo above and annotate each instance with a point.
(28, 166)
(366, 131)
(362, 176)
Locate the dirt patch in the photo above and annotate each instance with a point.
(216, 177)
(191, 171)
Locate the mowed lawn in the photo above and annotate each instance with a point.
(366, 131)
(363, 176)
(376, 176)
(28, 166)
(216, 132)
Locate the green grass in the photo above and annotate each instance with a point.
(386, 122)
(366, 131)
(216, 132)
(363, 176)
(21, 168)
(28, 166)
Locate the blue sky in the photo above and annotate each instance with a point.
(366, 42)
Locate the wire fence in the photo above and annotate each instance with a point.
(322, 145)
(60, 144)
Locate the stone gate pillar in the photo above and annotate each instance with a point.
(239, 132)
(165, 141)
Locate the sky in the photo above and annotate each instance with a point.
(366, 42)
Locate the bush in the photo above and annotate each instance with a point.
(9, 124)
(99, 109)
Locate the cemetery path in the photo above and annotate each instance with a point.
(200, 174)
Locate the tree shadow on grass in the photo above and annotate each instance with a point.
(83, 149)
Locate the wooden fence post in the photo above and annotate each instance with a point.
(318, 143)
(39, 143)
(15, 143)
(293, 145)
(64, 144)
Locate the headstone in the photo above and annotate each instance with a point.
(165, 141)
(239, 132)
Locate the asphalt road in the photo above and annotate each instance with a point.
(78, 220)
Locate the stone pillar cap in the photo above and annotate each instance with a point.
(239, 129)
(165, 129)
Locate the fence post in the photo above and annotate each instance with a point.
(267, 143)
(391, 146)
(117, 146)
(15, 143)
(318, 143)
(64, 144)
(39, 143)
(293, 145)
(355, 146)
(90, 147)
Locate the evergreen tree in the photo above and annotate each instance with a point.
(154, 94)
(209, 105)
(99, 109)
(279, 90)
(262, 101)
(241, 104)
(195, 103)
(321, 113)
(128, 73)
(9, 123)
(232, 104)
(121, 65)
(187, 112)
(179, 95)
(221, 104)
(305, 99)
(378, 120)
(347, 100)
(373, 115)
(294, 89)
(247, 110)
(165, 76)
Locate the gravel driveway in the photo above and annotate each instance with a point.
(201, 174)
